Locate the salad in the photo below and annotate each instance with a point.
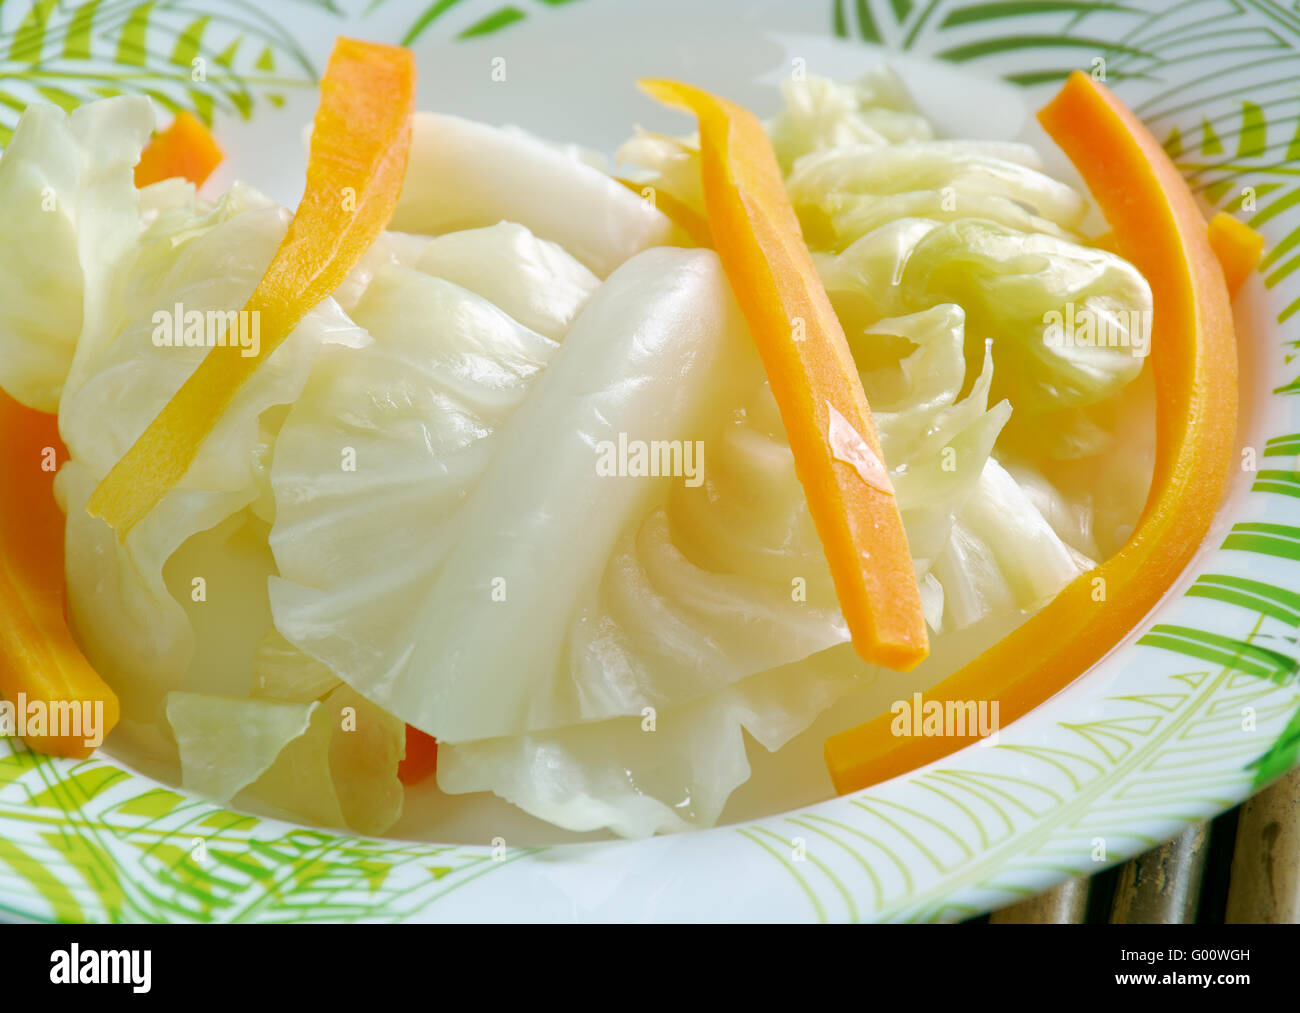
(504, 468)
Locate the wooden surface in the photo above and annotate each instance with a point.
(1265, 884)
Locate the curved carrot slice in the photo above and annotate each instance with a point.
(359, 147)
(39, 661)
(678, 212)
(1158, 227)
(814, 380)
(185, 149)
(1238, 248)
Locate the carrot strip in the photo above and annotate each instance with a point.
(1161, 230)
(1238, 248)
(421, 759)
(39, 661)
(185, 149)
(813, 378)
(678, 212)
(359, 148)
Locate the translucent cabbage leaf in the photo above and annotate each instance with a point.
(226, 744)
(70, 207)
(534, 280)
(1003, 555)
(670, 164)
(465, 175)
(399, 249)
(282, 672)
(342, 772)
(666, 771)
(331, 760)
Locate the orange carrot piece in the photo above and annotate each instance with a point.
(813, 378)
(39, 661)
(1161, 230)
(421, 759)
(678, 212)
(359, 148)
(185, 149)
(1238, 247)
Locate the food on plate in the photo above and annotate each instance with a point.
(495, 467)
(1159, 227)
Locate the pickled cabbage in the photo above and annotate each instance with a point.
(521, 482)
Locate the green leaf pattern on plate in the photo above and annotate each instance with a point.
(72, 51)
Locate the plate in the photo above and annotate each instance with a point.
(1193, 712)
